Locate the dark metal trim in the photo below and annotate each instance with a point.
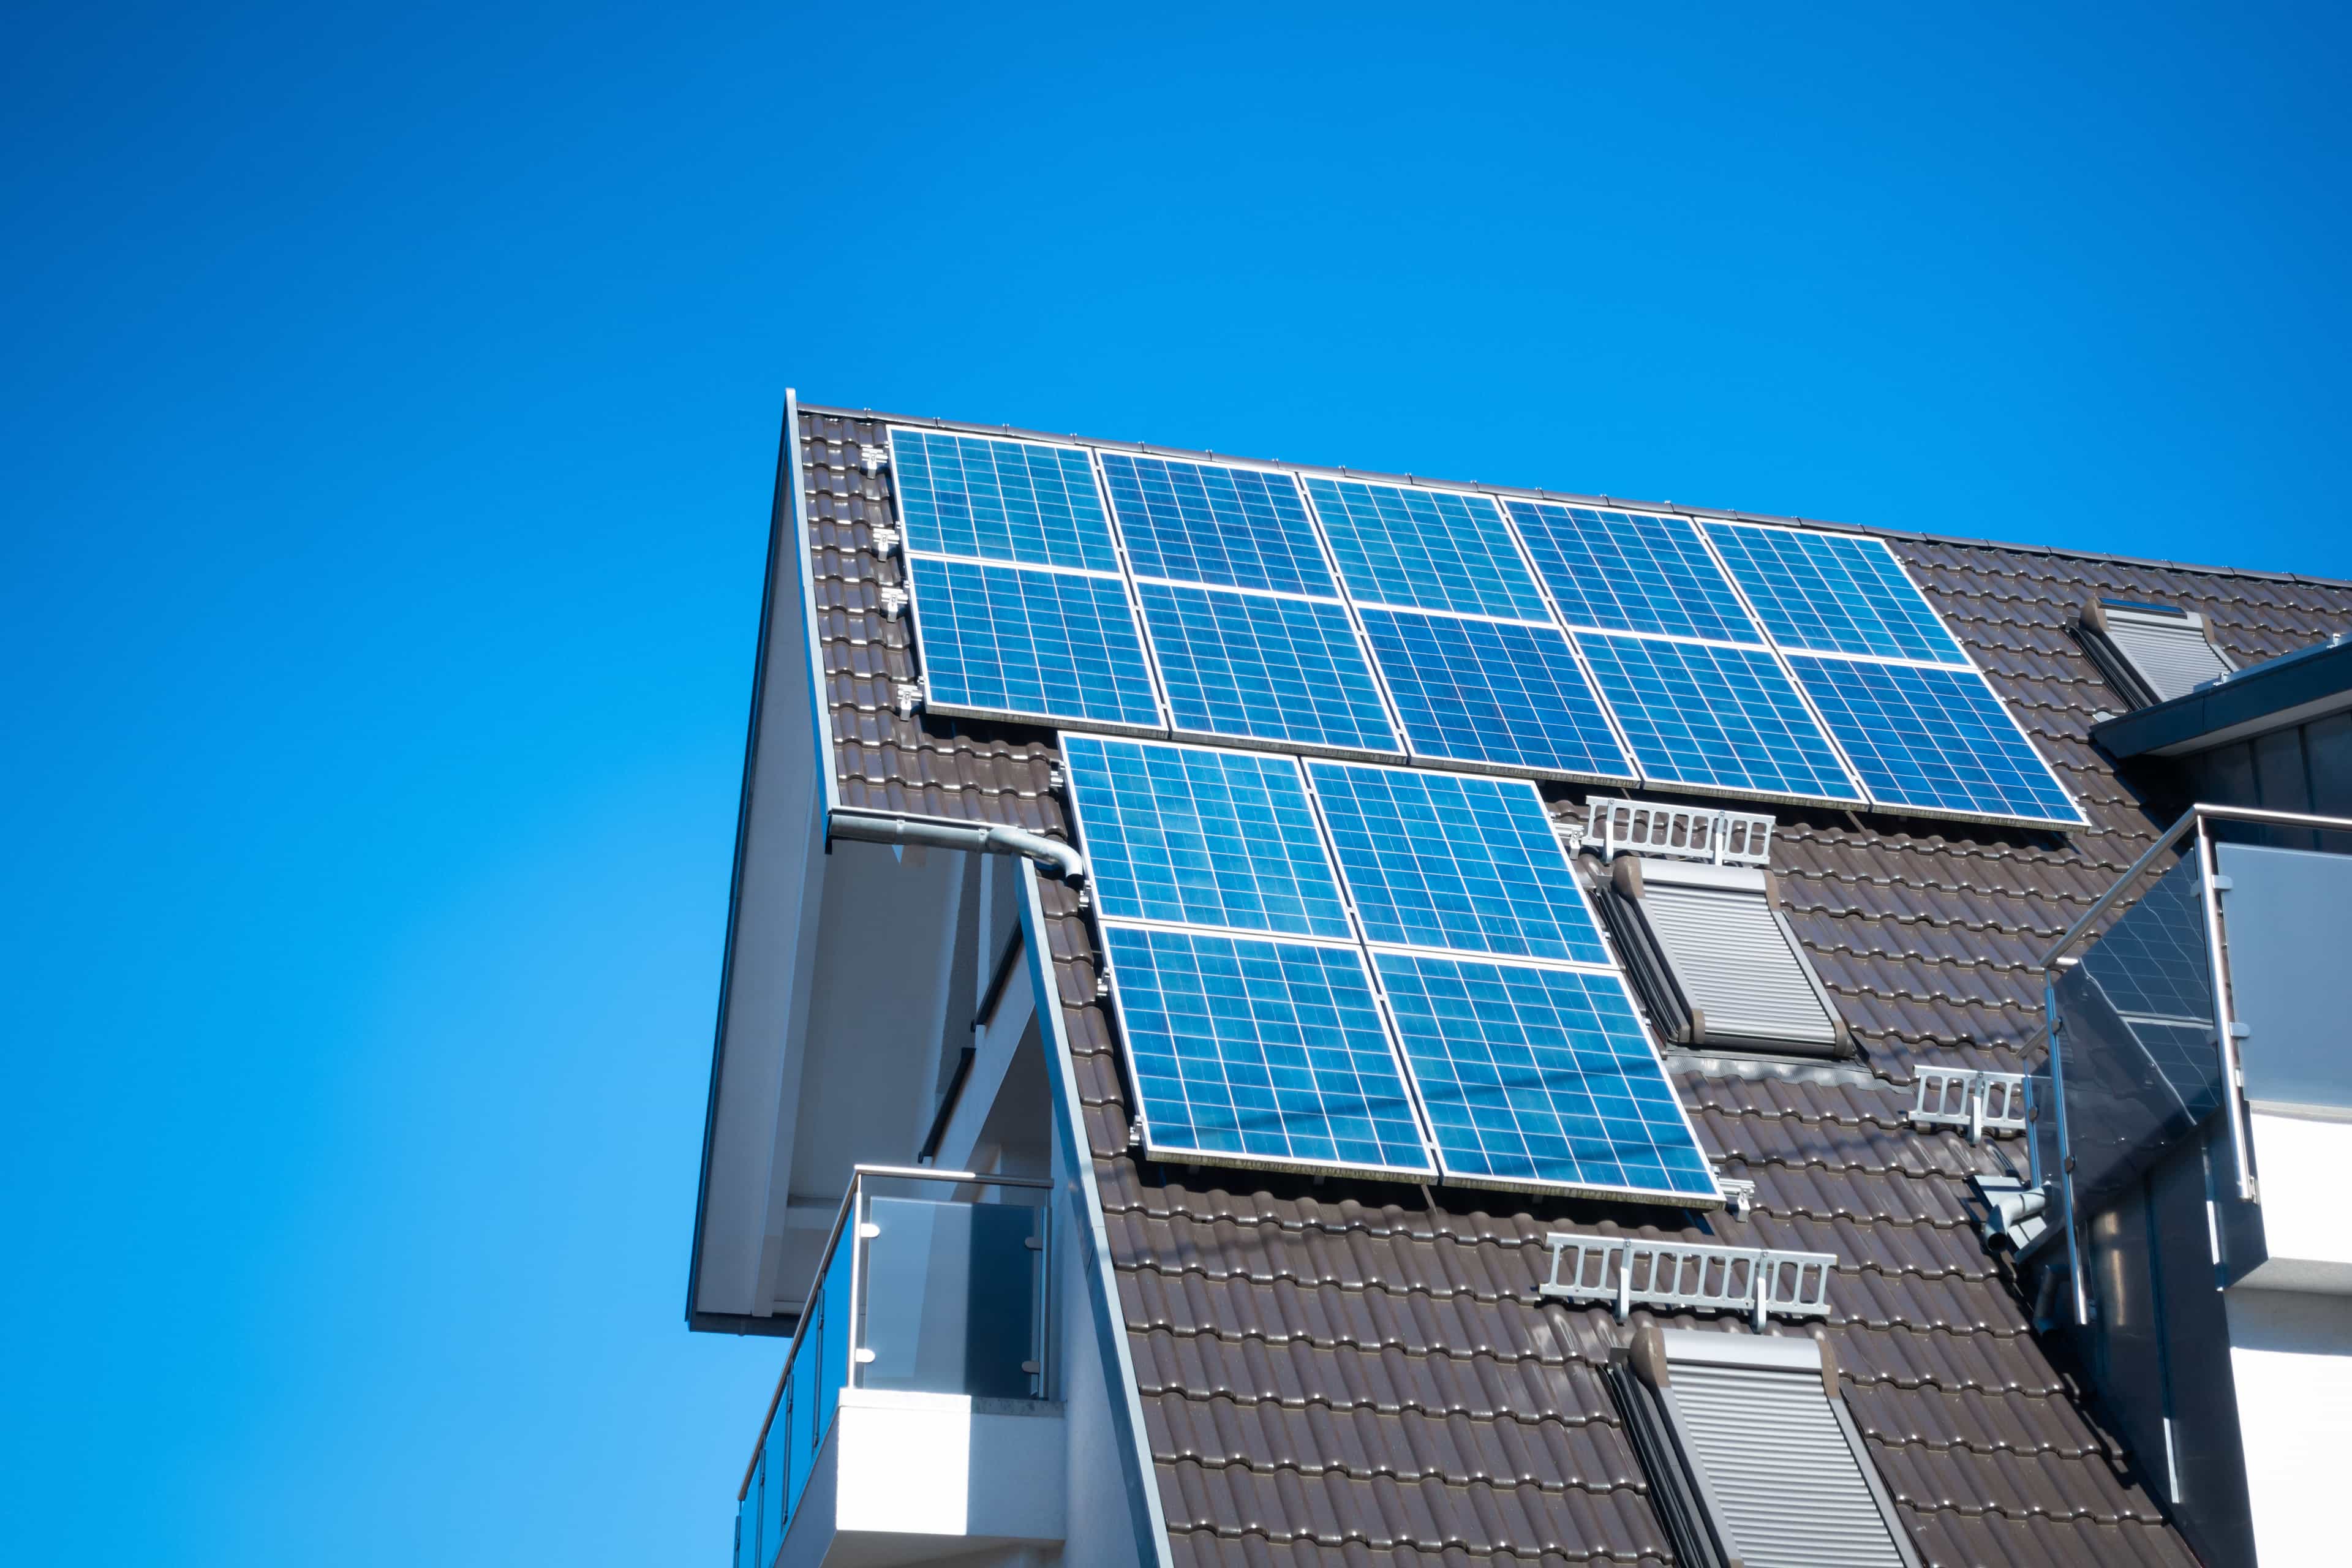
(2253, 694)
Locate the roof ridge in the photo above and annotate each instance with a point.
(1729, 515)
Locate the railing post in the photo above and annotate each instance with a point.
(2224, 1023)
(2066, 1155)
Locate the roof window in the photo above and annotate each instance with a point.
(1694, 913)
(1751, 1455)
(2150, 653)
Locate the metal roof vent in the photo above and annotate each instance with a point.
(2151, 653)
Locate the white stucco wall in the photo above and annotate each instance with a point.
(2291, 1356)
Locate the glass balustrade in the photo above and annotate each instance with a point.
(933, 1282)
(2223, 988)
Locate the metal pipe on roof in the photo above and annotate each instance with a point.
(977, 838)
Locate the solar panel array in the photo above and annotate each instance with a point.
(1478, 670)
(1326, 614)
(1467, 1023)
(1015, 583)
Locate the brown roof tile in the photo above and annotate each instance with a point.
(1360, 1375)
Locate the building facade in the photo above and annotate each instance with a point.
(1702, 1186)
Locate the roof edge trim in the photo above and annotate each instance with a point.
(2285, 690)
(1121, 1383)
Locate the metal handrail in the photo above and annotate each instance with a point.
(2192, 822)
(824, 1261)
(2202, 809)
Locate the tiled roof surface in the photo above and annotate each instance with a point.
(1362, 1372)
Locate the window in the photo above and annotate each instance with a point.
(1751, 1455)
(1711, 955)
(2150, 653)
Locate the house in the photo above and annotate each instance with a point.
(1257, 1028)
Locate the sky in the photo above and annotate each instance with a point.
(389, 415)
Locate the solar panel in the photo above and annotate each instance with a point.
(1725, 718)
(1541, 1077)
(1933, 737)
(1496, 692)
(1248, 1051)
(1449, 860)
(1833, 593)
(1029, 644)
(1265, 668)
(994, 500)
(1617, 571)
(1432, 550)
(1195, 837)
(1206, 523)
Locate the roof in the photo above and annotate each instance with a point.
(2286, 688)
(1362, 1372)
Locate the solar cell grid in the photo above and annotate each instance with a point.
(1630, 572)
(1260, 667)
(1203, 522)
(1933, 737)
(1493, 691)
(1050, 645)
(1540, 1077)
(1260, 1051)
(1833, 593)
(1433, 550)
(1444, 860)
(1726, 718)
(999, 501)
(1196, 836)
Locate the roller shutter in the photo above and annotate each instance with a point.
(1736, 964)
(1762, 1457)
(2165, 653)
(1714, 960)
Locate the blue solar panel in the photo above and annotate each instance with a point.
(1050, 645)
(1250, 1051)
(1726, 718)
(999, 501)
(1630, 572)
(1540, 1077)
(1932, 737)
(1833, 593)
(1447, 860)
(1261, 668)
(1204, 522)
(1493, 691)
(1195, 837)
(1435, 549)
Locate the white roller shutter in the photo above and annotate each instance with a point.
(1736, 964)
(2166, 649)
(2172, 657)
(1729, 954)
(1780, 1464)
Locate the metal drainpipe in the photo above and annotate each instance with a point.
(987, 838)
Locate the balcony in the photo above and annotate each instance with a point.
(2201, 1066)
(911, 1421)
(2154, 1053)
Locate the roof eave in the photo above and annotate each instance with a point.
(2266, 696)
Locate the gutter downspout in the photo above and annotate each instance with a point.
(979, 838)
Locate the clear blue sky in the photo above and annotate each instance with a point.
(390, 405)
